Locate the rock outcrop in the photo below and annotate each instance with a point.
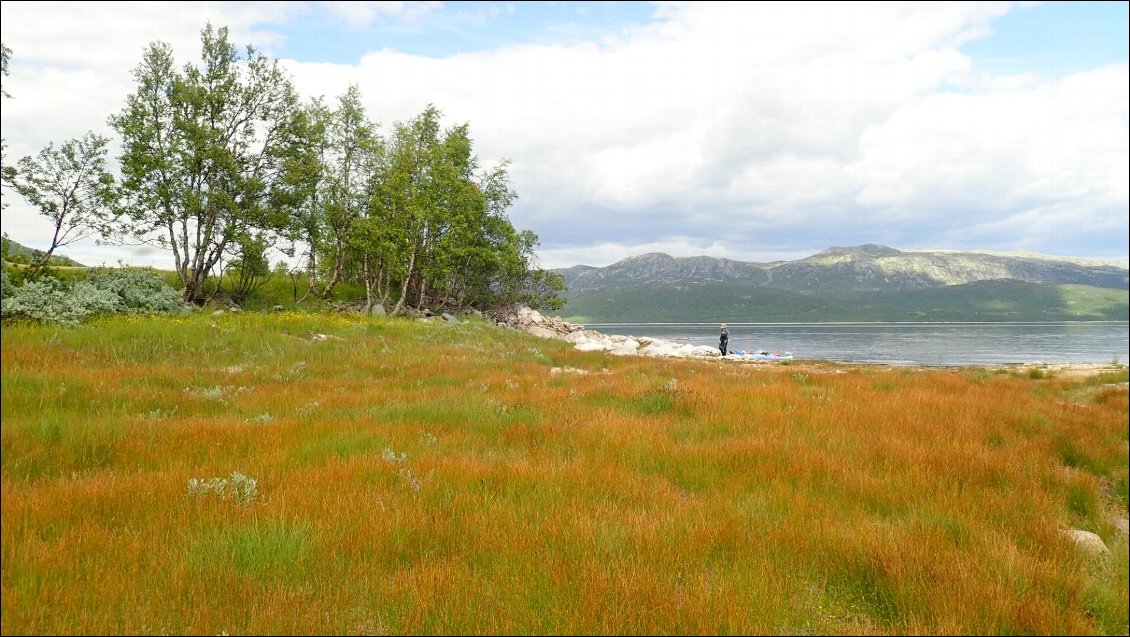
(534, 322)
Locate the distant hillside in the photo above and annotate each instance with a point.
(16, 253)
(988, 301)
(839, 270)
(862, 283)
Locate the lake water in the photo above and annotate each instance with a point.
(907, 343)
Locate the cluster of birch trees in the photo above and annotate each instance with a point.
(222, 161)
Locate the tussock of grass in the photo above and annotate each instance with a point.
(433, 478)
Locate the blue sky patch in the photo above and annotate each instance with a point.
(1053, 39)
(461, 27)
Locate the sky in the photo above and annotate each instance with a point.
(755, 132)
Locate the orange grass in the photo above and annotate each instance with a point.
(432, 478)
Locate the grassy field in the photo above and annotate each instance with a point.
(311, 474)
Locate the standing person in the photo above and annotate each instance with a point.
(724, 340)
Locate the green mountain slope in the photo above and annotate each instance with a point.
(17, 253)
(1001, 300)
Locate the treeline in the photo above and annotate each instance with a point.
(222, 161)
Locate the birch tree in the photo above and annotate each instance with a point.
(71, 187)
(203, 147)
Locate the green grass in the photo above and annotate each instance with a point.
(267, 551)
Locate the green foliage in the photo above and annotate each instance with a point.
(139, 290)
(49, 301)
(5, 56)
(348, 165)
(251, 268)
(72, 188)
(202, 147)
(222, 160)
(7, 287)
(543, 291)
(126, 291)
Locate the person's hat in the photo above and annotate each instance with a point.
(723, 325)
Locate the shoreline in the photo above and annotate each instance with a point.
(533, 322)
(1049, 369)
(1061, 369)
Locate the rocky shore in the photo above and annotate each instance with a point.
(534, 322)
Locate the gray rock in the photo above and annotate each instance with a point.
(1087, 540)
(533, 322)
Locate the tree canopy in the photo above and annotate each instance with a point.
(222, 160)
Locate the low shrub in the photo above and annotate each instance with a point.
(124, 291)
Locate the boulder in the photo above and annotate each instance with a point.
(1087, 540)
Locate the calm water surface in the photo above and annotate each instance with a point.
(907, 343)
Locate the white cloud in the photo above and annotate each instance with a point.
(361, 14)
(748, 129)
(71, 68)
(1040, 165)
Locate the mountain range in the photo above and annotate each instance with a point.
(859, 283)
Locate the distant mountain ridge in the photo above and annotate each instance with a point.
(16, 252)
(838, 270)
(861, 283)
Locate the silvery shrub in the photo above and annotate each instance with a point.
(122, 291)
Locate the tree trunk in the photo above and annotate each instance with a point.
(423, 289)
(312, 271)
(335, 277)
(367, 274)
(33, 270)
(404, 286)
(387, 287)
